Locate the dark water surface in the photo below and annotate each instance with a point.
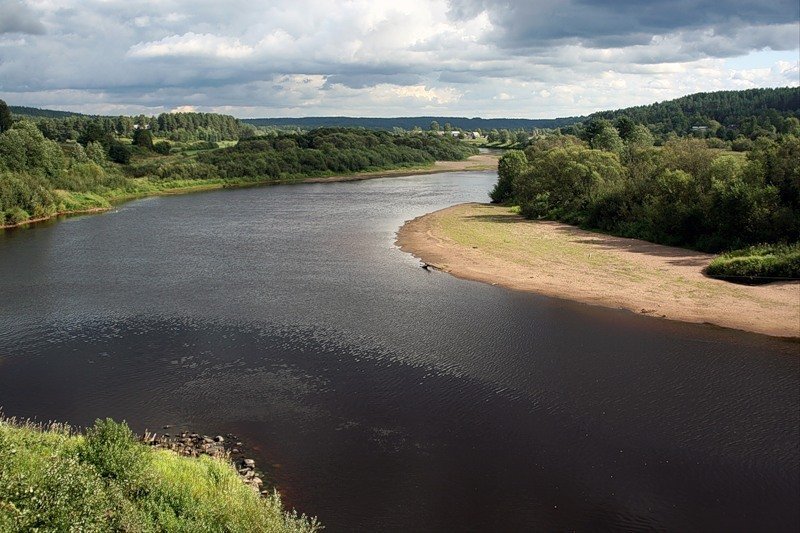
(378, 396)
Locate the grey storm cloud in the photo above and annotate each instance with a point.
(618, 23)
(16, 17)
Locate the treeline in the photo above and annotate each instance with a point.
(682, 194)
(723, 114)
(40, 176)
(29, 112)
(411, 123)
(179, 127)
(328, 151)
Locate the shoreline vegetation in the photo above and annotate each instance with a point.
(493, 244)
(53, 168)
(475, 163)
(53, 478)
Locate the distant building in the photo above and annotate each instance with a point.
(700, 129)
(475, 135)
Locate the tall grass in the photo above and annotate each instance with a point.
(52, 479)
(759, 263)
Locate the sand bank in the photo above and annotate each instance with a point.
(493, 245)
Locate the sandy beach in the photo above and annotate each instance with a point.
(492, 244)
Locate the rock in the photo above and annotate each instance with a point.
(256, 481)
(219, 438)
(249, 462)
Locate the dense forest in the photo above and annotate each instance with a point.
(63, 126)
(328, 151)
(40, 176)
(722, 114)
(688, 192)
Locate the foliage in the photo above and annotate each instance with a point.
(119, 153)
(509, 168)
(724, 114)
(163, 147)
(410, 123)
(142, 137)
(5, 117)
(683, 194)
(329, 151)
(764, 261)
(564, 182)
(54, 480)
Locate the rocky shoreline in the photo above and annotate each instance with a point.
(225, 447)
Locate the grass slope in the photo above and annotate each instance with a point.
(52, 479)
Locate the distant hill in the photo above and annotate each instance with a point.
(46, 113)
(729, 108)
(409, 123)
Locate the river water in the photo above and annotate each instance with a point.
(379, 396)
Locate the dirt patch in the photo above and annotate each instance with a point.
(493, 245)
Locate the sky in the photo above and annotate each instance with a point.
(293, 58)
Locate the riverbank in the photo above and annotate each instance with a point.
(87, 203)
(494, 245)
(55, 479)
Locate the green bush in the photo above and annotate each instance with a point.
(119, 153)
(759, 262)
(162, 147)
(16, 215)
(112, 449)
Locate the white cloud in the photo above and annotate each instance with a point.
(192, 44)
(382, 57)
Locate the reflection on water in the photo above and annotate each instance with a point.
(381, 396)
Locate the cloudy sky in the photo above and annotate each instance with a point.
(489, 58)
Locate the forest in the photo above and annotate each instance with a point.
(690, 192)
(722, 114)
(41, 174)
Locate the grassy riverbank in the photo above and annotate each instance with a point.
(495, 245)
(71, 203)
(52, 479)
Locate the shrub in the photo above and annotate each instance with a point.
(759, 262)
(16, 215)
(119, 153)
(162, 147)
(112, 448)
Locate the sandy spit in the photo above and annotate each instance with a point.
(492, 244)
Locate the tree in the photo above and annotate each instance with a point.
(96, 152)
(624, 126)
(509, 168)
(608, 139)
(434, 125)
(119, 153)
(640, 136)
(5, 117)
(143, 138)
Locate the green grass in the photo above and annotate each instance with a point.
(52, 479)
(759, 263)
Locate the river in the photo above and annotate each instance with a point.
(379, 396)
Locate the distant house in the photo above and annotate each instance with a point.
(455, 133)
(475, 135)
(700, 129)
